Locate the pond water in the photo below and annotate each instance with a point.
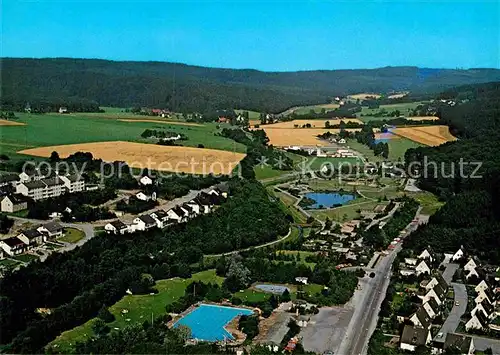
(329, 199)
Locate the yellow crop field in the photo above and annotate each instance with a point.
(301, 137)
(313, 123)
(364, 96)
(166, 122)
(428, 135)
(11, 123)
(152, 156)
(423, 118)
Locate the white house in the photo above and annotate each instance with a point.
(302, 280)
(422, 268)
(411, 261)
(146, 180)
(161, 218)
(143, 223)
(116, 227)
(458, 255)
(421, 318)
(484, 295)
(485, 308)
(478, 321)
(413, 337)
(13, 246)
(32, 237)
(471, 265)
(142, 196)
(482, 286)
(51, 229)
(471, 273)
(175, 216)
(425, 255)
(195, 207)
(74, 183)
(13, 203)
(432, 308)
(437, 293)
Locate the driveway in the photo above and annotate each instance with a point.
(451, 323)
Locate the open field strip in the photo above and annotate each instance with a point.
(299, 136)
(364, 96)
(10, 123)
(423, 118)
(380, 135)
(162, 121)
(139, 308)
(428, 135)
(152, 156)
(320, 123)
(304, 110)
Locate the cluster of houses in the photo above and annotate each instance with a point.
(318, 152)
(201, 204)
(433, 292)
(18, 189)
(30, 238)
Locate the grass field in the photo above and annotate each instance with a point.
(429, 202)
(304, 110)
(162, 122)
(72, 235)
(267, 172)
(152, 156)
(346, 212)
(302, 254)
(252, 115)
(139, 307)
(8, 263)
(427, 135)
(26, 258)
(319, 123)
(404, 109)
(251, 295)
(55, 129)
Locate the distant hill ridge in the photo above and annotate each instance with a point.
(183, 87)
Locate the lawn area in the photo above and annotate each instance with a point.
(302, 254)
(346, 212)
(8, 263)
(252, 115)
(303, 110)
(267, 172)
(402, 107)
(26, 258)
(287, 204)
(397, 149)
(251, 295)
(429, 202)
(72, 235)
(54, 129)
(140, 308)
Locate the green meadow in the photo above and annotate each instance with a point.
(56, 129)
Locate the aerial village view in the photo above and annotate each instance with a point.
(153, 207)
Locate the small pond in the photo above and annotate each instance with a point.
(328, 199)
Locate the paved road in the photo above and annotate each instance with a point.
(451, 323)
(368, 301)
(449, 272)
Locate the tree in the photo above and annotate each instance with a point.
(238, 276)
(285, 297)
(184, 332)
(105, 314)
(5, 223)
(100, 328)
(54, 157)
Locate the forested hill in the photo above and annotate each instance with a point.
(181, 87)
(471, 216)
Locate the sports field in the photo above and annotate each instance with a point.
(56, 129)
(151, 156)
(427, 135)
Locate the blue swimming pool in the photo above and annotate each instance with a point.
(207, 321)
(329, 199)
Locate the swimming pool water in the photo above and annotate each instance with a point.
(207, 321)
(329, 199)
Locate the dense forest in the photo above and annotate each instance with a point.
(471, 216)
(185, 88)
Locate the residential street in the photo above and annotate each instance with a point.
(451, 323)
(367, 300)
